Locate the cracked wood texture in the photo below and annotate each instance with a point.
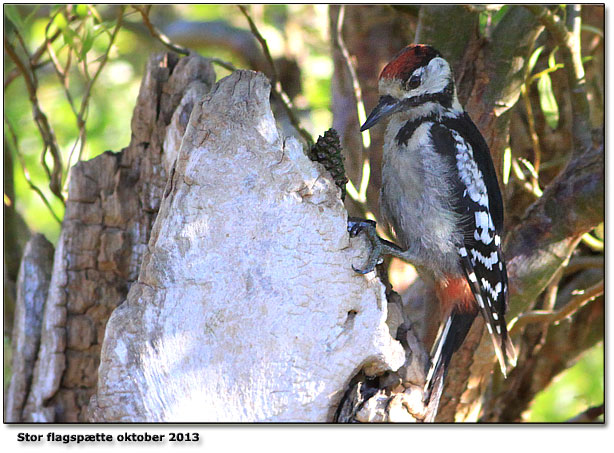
(32, 287)
(246, 307)
(112, 203)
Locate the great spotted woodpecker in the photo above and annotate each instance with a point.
(440, 194)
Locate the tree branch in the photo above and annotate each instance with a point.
(569, 309)
(49, 140)
(277, 89)
(589, 415)
(157, 34)
(26, 173)
(572, 58)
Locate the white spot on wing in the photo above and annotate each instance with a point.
(494, 292)
(480, 300)
(487, 261)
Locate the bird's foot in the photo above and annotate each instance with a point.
(357, 226)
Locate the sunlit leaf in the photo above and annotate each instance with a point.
(81, 10)
(547, 101)
(507, 164)
(59, 23)
(88, 38)
(533, 59)
(552, 58)
(598, 231)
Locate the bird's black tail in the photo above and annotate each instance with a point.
(449, 339)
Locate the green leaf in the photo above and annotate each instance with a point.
(60, 21)
(497, 16)
(551, 58)
(533, 59)
(81, 10)
(599, 231)
(69, 37)
(88, 38)
(13, 15)
(547, 101)
(483, 20)
(507, 165)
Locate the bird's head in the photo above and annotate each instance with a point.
(416, 76)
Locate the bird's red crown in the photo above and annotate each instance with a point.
(407, 61)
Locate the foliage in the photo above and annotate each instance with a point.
(579, 387)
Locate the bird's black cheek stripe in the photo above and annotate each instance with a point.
(406, 132)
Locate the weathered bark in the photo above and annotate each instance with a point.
(112, 203)
(32, 286)
(246, 307)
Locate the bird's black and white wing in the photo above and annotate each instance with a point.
(478, 201)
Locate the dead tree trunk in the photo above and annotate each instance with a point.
(112, 204)
(236, 301)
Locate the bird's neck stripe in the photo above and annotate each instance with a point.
(408, 129)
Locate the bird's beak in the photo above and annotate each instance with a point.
(387, 106)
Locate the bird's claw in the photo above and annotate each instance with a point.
(355, 227)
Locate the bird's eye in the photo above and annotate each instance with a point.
(413, 82)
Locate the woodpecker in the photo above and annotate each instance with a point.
(441, 197)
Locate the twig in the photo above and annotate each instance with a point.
(552, 291)
(26, 173)
(531, 188)
(589, 415)
(592, 242)
(277, 88)
(222, 63)
(578, 263)
(572, 57)
(570, 308)
(339, 42)
(49, 140)
(34, 63)
(171, 45)
(88, 90)
(158, 34)
(62, 73)
(524, 89)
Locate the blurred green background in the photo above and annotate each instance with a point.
(296, 32)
